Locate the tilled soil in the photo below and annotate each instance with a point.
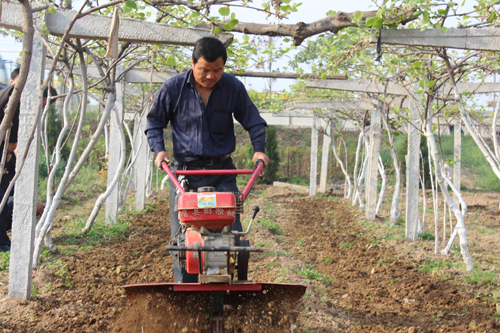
(360, 281)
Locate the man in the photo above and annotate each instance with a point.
(199, 105)
(10, 162)
(10, 165)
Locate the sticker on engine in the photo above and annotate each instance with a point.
(207, 200)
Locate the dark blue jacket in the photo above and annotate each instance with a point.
(203, 132)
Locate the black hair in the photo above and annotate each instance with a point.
(15, 73)
(209, 48)
(53, 92)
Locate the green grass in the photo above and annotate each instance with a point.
(347, 244)
(86, 184)
(474, 161)
(98, 234)
(426, 235)
(4, 261)
(312, 274)
(477, 276)
(433, 266)
(487, 231)
(272, 226)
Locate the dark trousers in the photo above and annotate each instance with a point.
(6, 213)
(222, 183)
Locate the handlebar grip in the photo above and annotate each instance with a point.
(260, 161)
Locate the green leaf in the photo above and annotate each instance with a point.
(357, 16)
(426, 17)
(230, 25)
(323, 76)
(285, 8)
(171, 61)
(417, 13)
(126, 9)
(421, 83)
(217, 30)
(246, 38)
(369, 21)
(377, 23)
(443, 29)
(286, 40)
(52, 10)
(331, 12)
(431, 84)
(131, 4)
(224, 11)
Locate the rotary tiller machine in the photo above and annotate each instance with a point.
(206, 245)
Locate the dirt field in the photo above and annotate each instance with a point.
(363, 276)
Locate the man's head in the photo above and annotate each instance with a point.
(14, 75)
(209, 58)
(53, 93)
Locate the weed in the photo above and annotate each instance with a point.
(277, 253)
(272, 226)
(302, 251)
(34, 290)
(487, 231)
(4, 261)
(426, 235)
(432, 266)
(391, 283)
(324, 298)
(476, 275)
(310, 273)
(48, 286)
(260, 244)
(273, 264)
(97, 234)
(345, 245)
(328, 261)
(497, 314)
(300, 242)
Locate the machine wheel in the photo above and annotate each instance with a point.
(243, 261)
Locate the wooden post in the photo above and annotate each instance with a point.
(314, 156)
(412, 174)
(114, 154)
(372, 172)
(24, 221)
(457, 155)
(327, 140)
(141, 161)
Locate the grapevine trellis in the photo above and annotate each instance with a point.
(374, 111)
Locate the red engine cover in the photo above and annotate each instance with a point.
(192, 262)
(212, 210)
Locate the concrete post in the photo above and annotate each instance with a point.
(314, 156)
(24, 221)
(114, 154)
(412, 174)
(457, 135)
(141, 163)
(325, 157)
(372, 172)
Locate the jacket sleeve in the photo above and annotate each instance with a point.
(158, 119)
(247, 114)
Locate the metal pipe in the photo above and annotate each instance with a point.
(214, 248)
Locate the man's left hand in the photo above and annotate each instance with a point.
(261, 156)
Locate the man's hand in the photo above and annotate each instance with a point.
(261, 156)
(39, 208)
(162, 156)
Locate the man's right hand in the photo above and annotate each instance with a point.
(162, 156)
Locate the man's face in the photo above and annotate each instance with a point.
(207, 74)
(13, 81)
